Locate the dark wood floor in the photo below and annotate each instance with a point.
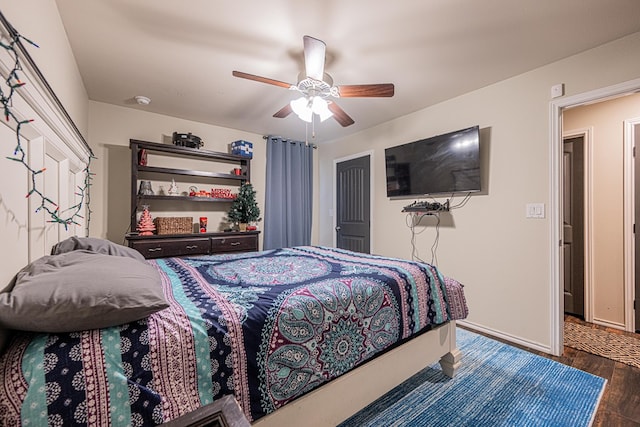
(620, 404)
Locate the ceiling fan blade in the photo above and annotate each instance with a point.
(262, 79)
(373, 90)
(314, 56)
(340, 115)
(283, 112)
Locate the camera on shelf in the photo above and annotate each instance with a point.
(187, 140)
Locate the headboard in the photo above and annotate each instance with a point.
(41, 125)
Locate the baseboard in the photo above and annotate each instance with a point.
(504, 336)
(609, 324)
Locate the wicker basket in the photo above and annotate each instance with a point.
(174, 225)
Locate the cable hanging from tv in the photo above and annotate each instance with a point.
(415, 220)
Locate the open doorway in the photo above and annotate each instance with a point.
(632, 138)
(573, 221)
(557, 216)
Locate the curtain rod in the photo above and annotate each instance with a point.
(314, 146)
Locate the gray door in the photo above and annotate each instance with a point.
(353, 204)
(573, 225)
(636, 161)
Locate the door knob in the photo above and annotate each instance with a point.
(338, 228)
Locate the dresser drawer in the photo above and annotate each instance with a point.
(234, 244)
(157, 248)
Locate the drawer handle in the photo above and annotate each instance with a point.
(234, 243)
(192, 247)
(154, 249)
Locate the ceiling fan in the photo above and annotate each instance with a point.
(316, 87)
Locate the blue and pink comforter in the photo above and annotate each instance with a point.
(266, 326)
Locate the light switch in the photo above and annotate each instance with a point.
(535, 210)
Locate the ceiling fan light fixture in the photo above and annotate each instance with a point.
(301, 107)
(305, 108)
(321, 108)
(316, 86)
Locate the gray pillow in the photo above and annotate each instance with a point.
(81, 290)
(97, 245)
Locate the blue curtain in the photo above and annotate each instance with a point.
(289, 193)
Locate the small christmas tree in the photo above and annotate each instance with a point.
(244, 208)
(173, 188)
(145, 225)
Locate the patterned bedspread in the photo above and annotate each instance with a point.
(266, 327)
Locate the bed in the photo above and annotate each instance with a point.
(294, 334)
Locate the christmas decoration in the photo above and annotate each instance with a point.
(19, 154)
(244, 208)
(142, 157)
(222, 193)
(173, 188)
(145, 225)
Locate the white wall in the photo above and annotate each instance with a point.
(49, 140)
(111, 127)
(502, 258)
(40, 22)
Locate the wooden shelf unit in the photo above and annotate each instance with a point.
(156, 246)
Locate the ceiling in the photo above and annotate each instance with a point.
(181, 54)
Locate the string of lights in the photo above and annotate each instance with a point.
(67, 216)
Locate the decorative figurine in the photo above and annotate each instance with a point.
(173, 188)
(146, 227)
(142, 157)
(145, 189)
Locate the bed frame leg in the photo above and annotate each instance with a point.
(450, 362)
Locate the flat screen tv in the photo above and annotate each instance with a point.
(448, 163)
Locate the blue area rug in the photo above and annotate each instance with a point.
(496, 385)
